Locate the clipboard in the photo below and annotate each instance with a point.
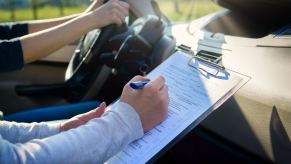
(186, 75)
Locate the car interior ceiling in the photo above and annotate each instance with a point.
(258, 7)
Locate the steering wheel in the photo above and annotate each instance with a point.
(85, 63)
(136, 49)
(131, 55)
(82, 70)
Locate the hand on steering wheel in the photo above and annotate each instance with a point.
(113, 12)
(94, 5)
(85, 64)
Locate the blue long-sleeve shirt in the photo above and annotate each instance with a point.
(11, 55)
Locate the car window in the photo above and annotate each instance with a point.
(19, 10)
(174, 10)
(185, 10)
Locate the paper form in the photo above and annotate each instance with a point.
(191, 95)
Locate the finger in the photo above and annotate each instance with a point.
(127, 87)
(121, 11)
(118, 19)
(156, 84)
(124, 4)
(93, 113)
(115, 19)
(138, 78)
(164, 97)
(111, 1)
(100, 1)
(165, 94)
(164, 89)
(124, 8)
(99, 111)
(102, 105)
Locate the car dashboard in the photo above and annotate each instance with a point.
(257, 117)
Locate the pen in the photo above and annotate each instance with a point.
(138, 84)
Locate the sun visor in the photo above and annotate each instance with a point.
(271, 8)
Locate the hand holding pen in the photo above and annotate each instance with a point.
(150, 99)
(138, 84)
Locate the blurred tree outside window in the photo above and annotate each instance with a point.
(20, 10)
(186, 10)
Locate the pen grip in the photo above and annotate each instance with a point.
(138, 84)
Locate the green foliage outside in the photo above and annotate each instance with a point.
(183, 11)
(187, 9)
(43, 13)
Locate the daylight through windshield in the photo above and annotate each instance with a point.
(174, 10)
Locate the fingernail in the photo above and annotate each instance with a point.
(103, 104)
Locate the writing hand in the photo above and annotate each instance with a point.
(151, 102)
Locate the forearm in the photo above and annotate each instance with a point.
(94, 142)
(42, 43)
(38, 25)
(23, 132)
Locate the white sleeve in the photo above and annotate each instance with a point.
(23, 132)
(95, 142)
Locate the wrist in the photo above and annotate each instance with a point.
(61, 129)
(54, 128)
(91, 22)
(134, 114)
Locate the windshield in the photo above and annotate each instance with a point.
(185, 10)
(21, 10)
(174, 10)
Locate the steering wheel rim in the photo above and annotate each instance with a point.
(74, 68)
(81, 75)
(79, 58)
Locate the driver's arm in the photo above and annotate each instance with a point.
(42, 43)
(18, 29)
(14, 53)
(38, 25)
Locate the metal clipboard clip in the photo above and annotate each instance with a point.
(209, 64)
